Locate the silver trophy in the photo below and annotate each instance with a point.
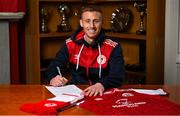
(141, 8)
(64, 11)
(44, 18)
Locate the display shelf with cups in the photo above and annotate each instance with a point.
(136, 24)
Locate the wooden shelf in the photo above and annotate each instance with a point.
(135, 77)
(93, 1)
(103, 1)
(60, 1)
(127, 36)
(136, 73)
(43, 69)
(55, 34)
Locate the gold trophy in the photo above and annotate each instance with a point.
(64, 11)
(44, 18)
(142, 9)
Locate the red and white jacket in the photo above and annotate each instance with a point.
(100, 62)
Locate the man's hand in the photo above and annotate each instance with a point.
(58, 81)
(94, 90)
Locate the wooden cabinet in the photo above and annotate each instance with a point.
(137, 49)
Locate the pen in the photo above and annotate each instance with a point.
(59, 71)
(68, 94)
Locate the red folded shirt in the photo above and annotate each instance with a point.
(44, 107)
(128, 102)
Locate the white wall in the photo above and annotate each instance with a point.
(4, 53)
(171, 42)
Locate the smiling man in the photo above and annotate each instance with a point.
(93, 58)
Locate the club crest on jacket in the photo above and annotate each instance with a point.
(101, 59)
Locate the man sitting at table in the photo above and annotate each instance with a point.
(93, 58)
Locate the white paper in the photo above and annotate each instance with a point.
(68, 93)
(65, 98)
(62, 98)
(151, 92)
(69, 89)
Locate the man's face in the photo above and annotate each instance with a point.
(91, 23)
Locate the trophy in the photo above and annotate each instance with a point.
(142, 9)
(64, 26)
(44, 16)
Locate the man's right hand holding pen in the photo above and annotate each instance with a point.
(92, 90)
(58, 80)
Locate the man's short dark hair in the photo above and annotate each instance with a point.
(90, 8)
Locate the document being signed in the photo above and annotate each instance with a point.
(68, 93)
